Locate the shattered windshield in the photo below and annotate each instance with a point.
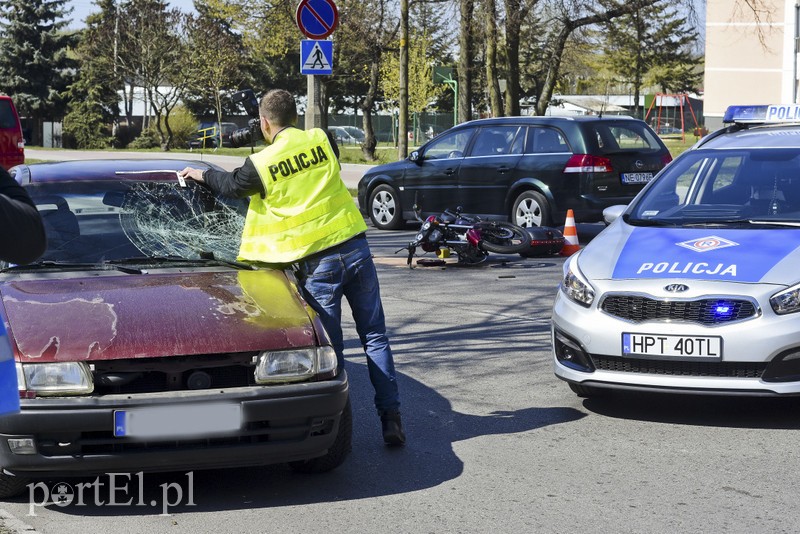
(96, 221)
(724, 186)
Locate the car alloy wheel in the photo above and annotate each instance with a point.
(385, 209)
(530, 210)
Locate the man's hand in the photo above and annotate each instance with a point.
(193, 174)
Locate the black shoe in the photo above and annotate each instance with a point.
(392, 429)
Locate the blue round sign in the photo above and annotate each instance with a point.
(317, 18)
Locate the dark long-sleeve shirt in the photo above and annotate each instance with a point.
(22, 235)
(244, 181)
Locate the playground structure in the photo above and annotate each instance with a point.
(662, 123)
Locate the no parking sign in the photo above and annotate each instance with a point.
(317, 18)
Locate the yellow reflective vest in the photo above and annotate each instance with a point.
(307, 207)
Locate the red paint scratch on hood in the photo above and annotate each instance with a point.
(154, 315)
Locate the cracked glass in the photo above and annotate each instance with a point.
(93, 221)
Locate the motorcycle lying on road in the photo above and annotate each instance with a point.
(470, 237)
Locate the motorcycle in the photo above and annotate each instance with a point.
(470, 237)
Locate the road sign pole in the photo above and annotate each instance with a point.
(313, 115)
(316, 19)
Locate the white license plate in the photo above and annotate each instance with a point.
(668, 346)
(636, 177)
(182, 420)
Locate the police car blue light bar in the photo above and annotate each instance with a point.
(773, 113)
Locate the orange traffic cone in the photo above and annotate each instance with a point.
(571, 245)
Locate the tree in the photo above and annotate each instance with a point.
(150, 54)
(492, 76)
(269, 40)
(34, 66)
(465, 58)
(421, 88)
(214, 63)
(652, 44)
(366, 32)
(93, 98)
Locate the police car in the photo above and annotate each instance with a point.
(695, 286)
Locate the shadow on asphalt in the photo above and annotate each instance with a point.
(372, 469)
(699, 410)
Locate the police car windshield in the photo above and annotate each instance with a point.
(724, 187)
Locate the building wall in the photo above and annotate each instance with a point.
(748, 61)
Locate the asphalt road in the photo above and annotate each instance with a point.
(495, 442)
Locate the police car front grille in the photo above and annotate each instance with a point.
(679, 368)
(636, 309)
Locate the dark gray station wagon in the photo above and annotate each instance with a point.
(529, 170)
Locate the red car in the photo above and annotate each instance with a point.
(12, 144)
(143, 345)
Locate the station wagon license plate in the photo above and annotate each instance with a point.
(636, 177)
(669, 346)
(187, 420)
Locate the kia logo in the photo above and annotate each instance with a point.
(676, 288)
(639, 164)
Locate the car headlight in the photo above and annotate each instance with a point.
(61, 378)
(575, 286)
(296, 365)
(786, 301)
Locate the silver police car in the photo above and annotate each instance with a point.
(695, 286)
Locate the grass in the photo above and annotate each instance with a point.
(385, 152)
(677, 146)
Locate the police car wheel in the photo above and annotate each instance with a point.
(587, 391)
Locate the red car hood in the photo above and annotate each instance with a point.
(154, 315)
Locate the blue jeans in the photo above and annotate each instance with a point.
(347, 270)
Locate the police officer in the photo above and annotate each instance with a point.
(301, 214)
(22, 238)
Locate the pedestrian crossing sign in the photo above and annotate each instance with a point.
(316, 57)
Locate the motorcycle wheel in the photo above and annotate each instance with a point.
(503, 237)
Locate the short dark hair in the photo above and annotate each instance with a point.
(278, 106)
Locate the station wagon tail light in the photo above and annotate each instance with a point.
(296, 365)
(666, 158)
(786, 301)
(54, 379)
(588, 163)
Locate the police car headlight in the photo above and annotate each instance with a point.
(312, 363)
(786, 301)
(574, 285)
(61, 378)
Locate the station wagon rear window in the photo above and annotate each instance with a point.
(615, 137)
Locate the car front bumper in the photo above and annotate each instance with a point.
(75, 436)
(750, 350)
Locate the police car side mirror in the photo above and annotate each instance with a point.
(415, 157)
(612, 213)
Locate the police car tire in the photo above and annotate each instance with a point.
(587, 391)
(11, 486)
(337, 453)
(388, 194)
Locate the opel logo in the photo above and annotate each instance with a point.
(676, 288)
(639, 164)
